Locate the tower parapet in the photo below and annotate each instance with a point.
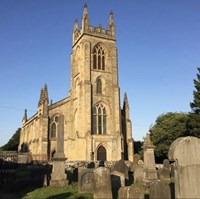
(99, 31)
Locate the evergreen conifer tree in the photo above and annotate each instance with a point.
(194, 115)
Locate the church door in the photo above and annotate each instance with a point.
(101, 153)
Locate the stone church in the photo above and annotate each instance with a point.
(91, 119)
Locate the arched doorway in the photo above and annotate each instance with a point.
(101, 153)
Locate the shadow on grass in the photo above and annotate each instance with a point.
(60, 196)
(71, 195)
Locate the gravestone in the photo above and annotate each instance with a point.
(185, 152)
(159, 190)
(164, 173)
(117, 175)
(86, 180)
(137, 192)
(166, 163)
(139, 172)
(58, 176)
(123, 191)
(137, 157)
(102, 183)
(121, 167)
(150, 173)
(132, 192)
(117, 181)
(91, 165)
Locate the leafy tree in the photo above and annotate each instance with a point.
(168, 127)
(13, 143)
(138, 147)
(194, 116)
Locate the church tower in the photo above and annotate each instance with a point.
(95, 96)
(90, 119)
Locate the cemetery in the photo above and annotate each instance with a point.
(82, 146)
(177, 177)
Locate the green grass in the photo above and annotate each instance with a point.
(57, 193)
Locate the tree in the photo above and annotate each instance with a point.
(194, 116)
(13, 143)
(138, 147)
(168, 127)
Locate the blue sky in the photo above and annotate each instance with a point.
(158, 54)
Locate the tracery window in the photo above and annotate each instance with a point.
(99, 86)
(99, 119)
(98, 58)
(53, 128)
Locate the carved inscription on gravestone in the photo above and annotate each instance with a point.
(102, 183)
(86, 180)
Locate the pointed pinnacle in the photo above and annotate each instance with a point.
(111, 12)
(25, 115)
(41, 94)
(126, 100)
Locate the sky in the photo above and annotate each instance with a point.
(158, 54)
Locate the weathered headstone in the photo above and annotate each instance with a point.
(91, 165)
(164, 172)
(139, 172)
(132, 192)
(102, 183)
(159, 190)
(137, 157)
(137, 192)
(185, 152)
(123, 192)
(58, 176)
(166, 163)
(86, 181)
(118, 179)
(150, 172)
(121, 167)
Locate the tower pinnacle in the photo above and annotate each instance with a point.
(111, 25)
(76, 24)
(85, 19)
(25, 116)
(126, 104)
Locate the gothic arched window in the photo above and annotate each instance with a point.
(99, 119)
(98, 58)
(99, 86)
(54, 126)
(53, 130)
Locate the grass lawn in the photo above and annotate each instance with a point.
(70, 191)
(57, 193)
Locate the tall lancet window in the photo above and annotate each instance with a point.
(98, 58)
(99, 120)
(53, 130)
(99, 86)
